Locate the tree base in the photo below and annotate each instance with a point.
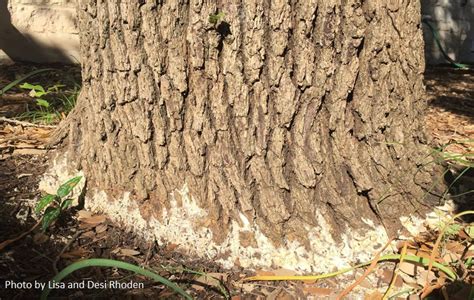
(183, 223)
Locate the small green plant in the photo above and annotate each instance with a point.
(53, 205)
(452, 230)
(52, 104)
(215, 18)
(37, 91)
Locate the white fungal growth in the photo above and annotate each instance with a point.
(178, 226)
(59, 174)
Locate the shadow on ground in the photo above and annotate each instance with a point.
(450, 121)
(451, 90)
(13, 42)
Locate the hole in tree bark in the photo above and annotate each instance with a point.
(350, 96)
(360, 47)
(224, 31)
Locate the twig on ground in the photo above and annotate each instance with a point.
(394, 279)
(20, 176)
(8, 242)
(23, 123)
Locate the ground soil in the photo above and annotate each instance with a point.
(79, 234)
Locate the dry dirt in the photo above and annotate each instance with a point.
(79, 234)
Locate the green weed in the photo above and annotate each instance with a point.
(215, 18)
(54, 205)
(442, 155)
(37, 91)
(52, 104)
(450, 161)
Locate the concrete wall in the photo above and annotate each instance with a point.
(46, 30)
(454, 20)
(39, 30)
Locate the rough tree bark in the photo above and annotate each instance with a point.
(287, 127)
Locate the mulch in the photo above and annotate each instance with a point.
(450, 116)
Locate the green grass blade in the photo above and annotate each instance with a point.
(454, 181)
(15, 82)
(102, 262)
(390, 257)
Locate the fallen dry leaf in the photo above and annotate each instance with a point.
(94, 220)
(79, 252)
(208, 280)
(373, 296)
(88, 234)
(284, 272)
(85, 226)
(455, 246)
(101, 228)
(386, 276)
(424, 251)
(401, 243)
(83, 214)
(366, 284)
(469, 253)
(26, 144)
(316, 291)
(171, 247)
(408, 280)
(421, 276)
(247, 287)
(408, 268)
(126, 252)
(264, 273)
(451, 257)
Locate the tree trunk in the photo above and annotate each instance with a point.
(283, 131)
